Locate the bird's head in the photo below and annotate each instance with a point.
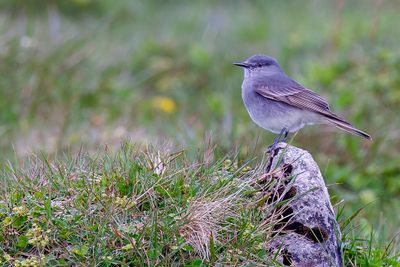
(260, 64)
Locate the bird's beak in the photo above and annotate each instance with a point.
(241, 64)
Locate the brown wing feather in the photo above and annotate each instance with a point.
(298, 96)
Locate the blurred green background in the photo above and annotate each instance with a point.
(92, 73)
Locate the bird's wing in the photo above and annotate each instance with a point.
(292, 93)
(295, 95)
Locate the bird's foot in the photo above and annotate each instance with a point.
(280, 138)
(274, 148)
(271, 148)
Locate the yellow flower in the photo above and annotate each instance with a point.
(121, 201)
(6, 257)
(163, 103)
(20, 211)
(33, 262)
(36, 236)
(127, 247)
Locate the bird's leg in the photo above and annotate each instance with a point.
(284, 132)
(285, 135)
(272, 148)
(276, 141)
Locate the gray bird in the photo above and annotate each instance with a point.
(281, 105)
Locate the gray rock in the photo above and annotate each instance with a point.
(311, 235)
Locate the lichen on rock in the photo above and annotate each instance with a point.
(310, 235)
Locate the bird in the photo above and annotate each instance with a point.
(281, 105)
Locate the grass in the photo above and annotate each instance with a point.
(362, 250)
(135, 208)
(146, 208)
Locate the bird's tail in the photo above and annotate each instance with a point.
(344, 125)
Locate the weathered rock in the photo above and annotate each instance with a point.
(311, 235)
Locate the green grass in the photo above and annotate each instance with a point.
(146, 208)
(134, 208)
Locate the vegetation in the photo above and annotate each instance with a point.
(144, 208)
(85, 73)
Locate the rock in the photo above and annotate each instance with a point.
(310, 235)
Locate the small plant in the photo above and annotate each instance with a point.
(136, 208)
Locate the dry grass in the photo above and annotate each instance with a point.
(140, 208)
(204, 220)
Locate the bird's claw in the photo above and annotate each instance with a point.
(271, 148)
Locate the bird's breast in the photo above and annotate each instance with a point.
(269, 114)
